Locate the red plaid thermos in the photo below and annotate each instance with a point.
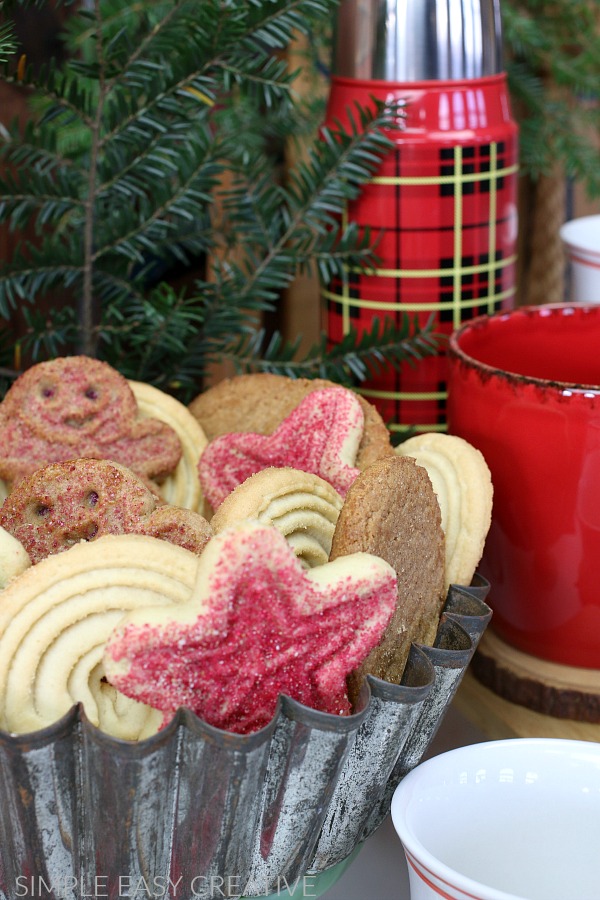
(445, 197)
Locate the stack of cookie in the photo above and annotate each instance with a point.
(147, 548)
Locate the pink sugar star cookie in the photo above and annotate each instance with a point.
(256, 626)
(321, 435)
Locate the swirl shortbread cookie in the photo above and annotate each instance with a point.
(321, 435)
(392, 512)
(181, 487)
(80, 500)
(76, 406)
(14, 558)
(256, 626)
(462, 482)
(259, 403)
(302, 506)
(56, 617)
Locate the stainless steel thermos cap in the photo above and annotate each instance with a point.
(418, 40)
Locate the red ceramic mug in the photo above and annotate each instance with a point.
(524, 387)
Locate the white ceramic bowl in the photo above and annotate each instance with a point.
(581, 239)
(503, 820)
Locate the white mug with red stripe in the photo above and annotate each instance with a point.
(581, 239)
(515, 819)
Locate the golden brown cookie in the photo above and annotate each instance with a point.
(80, 500)
(260, 402)
(462, 483)
(76, 406)
(178, 526)
(391, 511)
(302, 506)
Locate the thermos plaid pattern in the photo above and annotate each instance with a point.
(444, 202)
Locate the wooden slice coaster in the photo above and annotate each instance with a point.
(564, 692)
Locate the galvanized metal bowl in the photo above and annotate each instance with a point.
(195, 811)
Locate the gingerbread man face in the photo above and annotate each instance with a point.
(71, 397)
(83, 499)
(74, 407)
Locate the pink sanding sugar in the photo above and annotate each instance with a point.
(269, 627)
(321, 435)
(76, 406)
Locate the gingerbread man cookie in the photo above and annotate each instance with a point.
(74, 407)
(65, 503)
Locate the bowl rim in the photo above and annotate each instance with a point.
(418, 855)
(574, 241)
(564, 388)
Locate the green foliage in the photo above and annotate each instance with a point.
(7, 40)
(554, 75)
(116, 178)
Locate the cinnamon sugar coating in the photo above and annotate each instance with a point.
(76, 406)
(80, 500)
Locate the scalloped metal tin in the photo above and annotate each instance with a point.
(194, 811)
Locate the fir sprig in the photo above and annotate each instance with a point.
(8, 44)
(553, 64)
(118, 180)
(352, 360)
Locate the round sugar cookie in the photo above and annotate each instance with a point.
(302, 506)
(259, 402)
(391, 511)
(462, 483)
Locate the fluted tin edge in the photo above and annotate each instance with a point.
(194, 811)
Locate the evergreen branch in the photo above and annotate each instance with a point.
(45, 194)
(251, 30)
(50, 334)
(69, 99)
(354, 359)
(8, 43)
(342, 163)
(132, 191)
(23, 285)
(553, 68)
(158, 328)
(274, 24)
(33, 149)
(157, 220)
